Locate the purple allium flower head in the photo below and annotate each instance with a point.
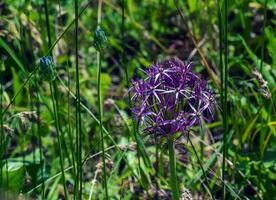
(171, 98)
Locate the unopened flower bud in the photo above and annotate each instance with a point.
(100, 39)
(47, 68)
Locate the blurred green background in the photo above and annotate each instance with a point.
(139, 32)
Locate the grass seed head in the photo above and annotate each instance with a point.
(263, 84)
(7, 130)
(186, 195)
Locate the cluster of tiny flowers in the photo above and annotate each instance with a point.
(171, 98)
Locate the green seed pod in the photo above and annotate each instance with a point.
(46, 68)
(100, 39)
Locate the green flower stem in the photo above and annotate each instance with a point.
(55, 107)
(99, 53)
(157, 160)
(173, 177)
(1, 128)
(69, 121)
(78, 178)
(101, 123)
(224, 105)
(40, 142)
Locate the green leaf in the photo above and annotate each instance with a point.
(142, 150)
(13, 176)
(144, 177)
(13, 55)
(16, 86)
(53, 194)
(105, 84)
(267, 69)
(251, 125)
(193, 5)
(3, 147)
(271, 43)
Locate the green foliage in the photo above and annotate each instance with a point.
(146, 32)
(271, 37)
(14, 174)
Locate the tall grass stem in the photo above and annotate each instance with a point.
(225, 93)
(78, 179)
(40, 141)
(263, 37)
(57, 125)
(1, 128)
(100, 110)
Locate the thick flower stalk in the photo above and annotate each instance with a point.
(47, 72)
(169, 100)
